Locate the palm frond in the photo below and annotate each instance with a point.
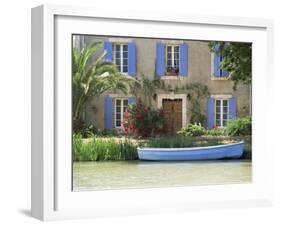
(95, 78)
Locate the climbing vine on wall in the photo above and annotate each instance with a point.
(146, 89)
(196, 94)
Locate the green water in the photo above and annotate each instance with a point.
(139, 174)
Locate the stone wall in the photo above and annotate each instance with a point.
(199, 70)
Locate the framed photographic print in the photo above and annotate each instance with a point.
(136, 113)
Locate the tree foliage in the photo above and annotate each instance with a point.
(236, 59)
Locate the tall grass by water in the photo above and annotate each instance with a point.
(98, 149)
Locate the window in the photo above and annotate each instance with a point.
(217, 71)
(120, 107)
(120, 52)
(220, 72)
(79, 42)
(221, 112)
(172, 59)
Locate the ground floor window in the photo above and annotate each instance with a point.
(120, 107)
(221, 112)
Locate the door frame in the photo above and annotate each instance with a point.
(173, 96)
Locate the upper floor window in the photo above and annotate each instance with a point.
(221, 112)
(120, 56)
(217, 60)
(172, 59)
(79, 42)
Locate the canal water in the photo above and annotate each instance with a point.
(140, 174)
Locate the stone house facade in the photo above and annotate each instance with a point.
(177, 63)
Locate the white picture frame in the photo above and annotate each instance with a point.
(52, 197)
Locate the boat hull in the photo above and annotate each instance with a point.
(234, 150)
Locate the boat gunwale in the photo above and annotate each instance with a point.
(188, 148)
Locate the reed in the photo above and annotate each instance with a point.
(98, 149)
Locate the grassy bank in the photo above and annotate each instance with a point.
(100, 149)
(97, 149)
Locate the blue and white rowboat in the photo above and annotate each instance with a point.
(234, 150)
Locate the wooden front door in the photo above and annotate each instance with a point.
(172, 115)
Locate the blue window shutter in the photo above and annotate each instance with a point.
(132, 63)
(232, 108)
(210, 112)
(217, 62)
(108, 112)
(132, 100)
(218, 72)
(108, 48)
(160, 59)
(183, 60)
(224, 73)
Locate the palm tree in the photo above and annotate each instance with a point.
(92, 80)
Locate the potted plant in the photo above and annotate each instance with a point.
(173, 71)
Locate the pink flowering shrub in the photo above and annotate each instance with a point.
(140, 120)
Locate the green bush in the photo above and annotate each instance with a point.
(178, 142)
(99, 149)
(112, 132)
(239, 126)
(91, 130)
(88, 131)
(169, 142)
(192, 130)
(216, 132)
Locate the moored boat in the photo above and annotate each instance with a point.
(233, 150)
